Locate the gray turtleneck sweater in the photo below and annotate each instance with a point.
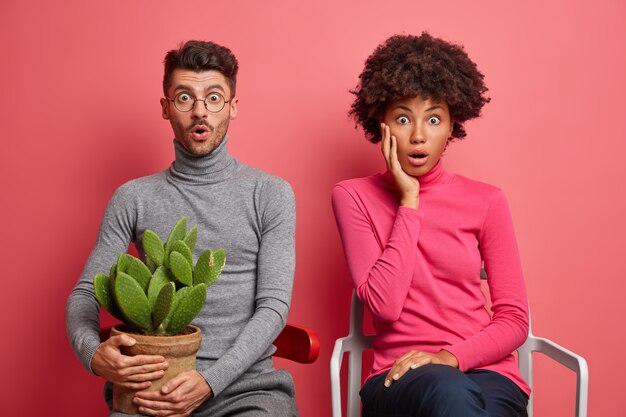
(249, 213)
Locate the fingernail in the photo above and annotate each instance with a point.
(395, 377)
(387, 383)
(413, 366)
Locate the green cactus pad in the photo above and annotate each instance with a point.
(143, 294)
(191, 238)
(113, 270)
(177, 297)
(132, 301)
(139, 271)
(159, 279)
(122, 262)
(102, 288)
(181, 268)
(182, 248)
(178, 233)
(209, 267)
(187, 309)
(151, 265)
(153, 247)
(163, 304)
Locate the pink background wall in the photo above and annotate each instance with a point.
(80, 115)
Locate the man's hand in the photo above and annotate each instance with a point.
(177, 398)
(133, 372)
(414, 359)
(407, 186)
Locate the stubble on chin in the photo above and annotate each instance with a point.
(205, 148)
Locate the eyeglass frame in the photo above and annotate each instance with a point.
(173, 100)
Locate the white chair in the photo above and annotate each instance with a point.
(356, 342)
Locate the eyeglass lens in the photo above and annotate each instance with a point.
(214, 102)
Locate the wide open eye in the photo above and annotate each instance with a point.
(403, 120)
(434, 120)
(214, 98)
(183, 97)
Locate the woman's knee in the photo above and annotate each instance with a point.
(445, 382)
(441, 390)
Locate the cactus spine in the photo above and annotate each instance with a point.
(164, 294)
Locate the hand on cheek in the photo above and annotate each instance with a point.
(407, 186)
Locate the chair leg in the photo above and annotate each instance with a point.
(355, 364)
(525, 363)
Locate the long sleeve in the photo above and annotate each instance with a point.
(82, 308)
(508, 328)
(275, 270)
(382, 272)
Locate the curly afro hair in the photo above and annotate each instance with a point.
(406, 65)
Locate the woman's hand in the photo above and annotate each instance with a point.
(414, 359)
(407, 186)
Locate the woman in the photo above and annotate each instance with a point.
(415, 238)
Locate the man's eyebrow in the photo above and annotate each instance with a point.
(190, 88)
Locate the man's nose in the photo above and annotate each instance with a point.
(199, 110)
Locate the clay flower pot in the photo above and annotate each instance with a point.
(179, 351)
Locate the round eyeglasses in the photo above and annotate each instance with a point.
(213, 102)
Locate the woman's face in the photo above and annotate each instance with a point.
(422, 128)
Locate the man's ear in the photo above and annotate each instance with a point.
(165, 108)
(233, 108)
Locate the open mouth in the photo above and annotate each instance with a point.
(199, 132)
(418, 155)
(418, 158)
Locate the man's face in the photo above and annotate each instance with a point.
(199, 130)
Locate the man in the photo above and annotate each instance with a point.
(249, 213)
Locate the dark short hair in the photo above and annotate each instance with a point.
(407, 65)
(201, 56)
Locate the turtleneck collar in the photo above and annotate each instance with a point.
(208, 169)
(436, 176)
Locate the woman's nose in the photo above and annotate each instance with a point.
(418, 136)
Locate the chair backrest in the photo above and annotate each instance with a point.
(297, 343)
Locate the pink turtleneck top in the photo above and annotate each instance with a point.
(418, 271)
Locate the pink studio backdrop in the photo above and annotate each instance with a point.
(81, 83)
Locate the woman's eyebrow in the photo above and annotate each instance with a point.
(400, 106)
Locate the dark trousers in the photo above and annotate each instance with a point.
(443, 391)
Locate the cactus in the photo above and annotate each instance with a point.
(162, 295)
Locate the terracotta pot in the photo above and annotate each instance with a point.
(180, 352)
